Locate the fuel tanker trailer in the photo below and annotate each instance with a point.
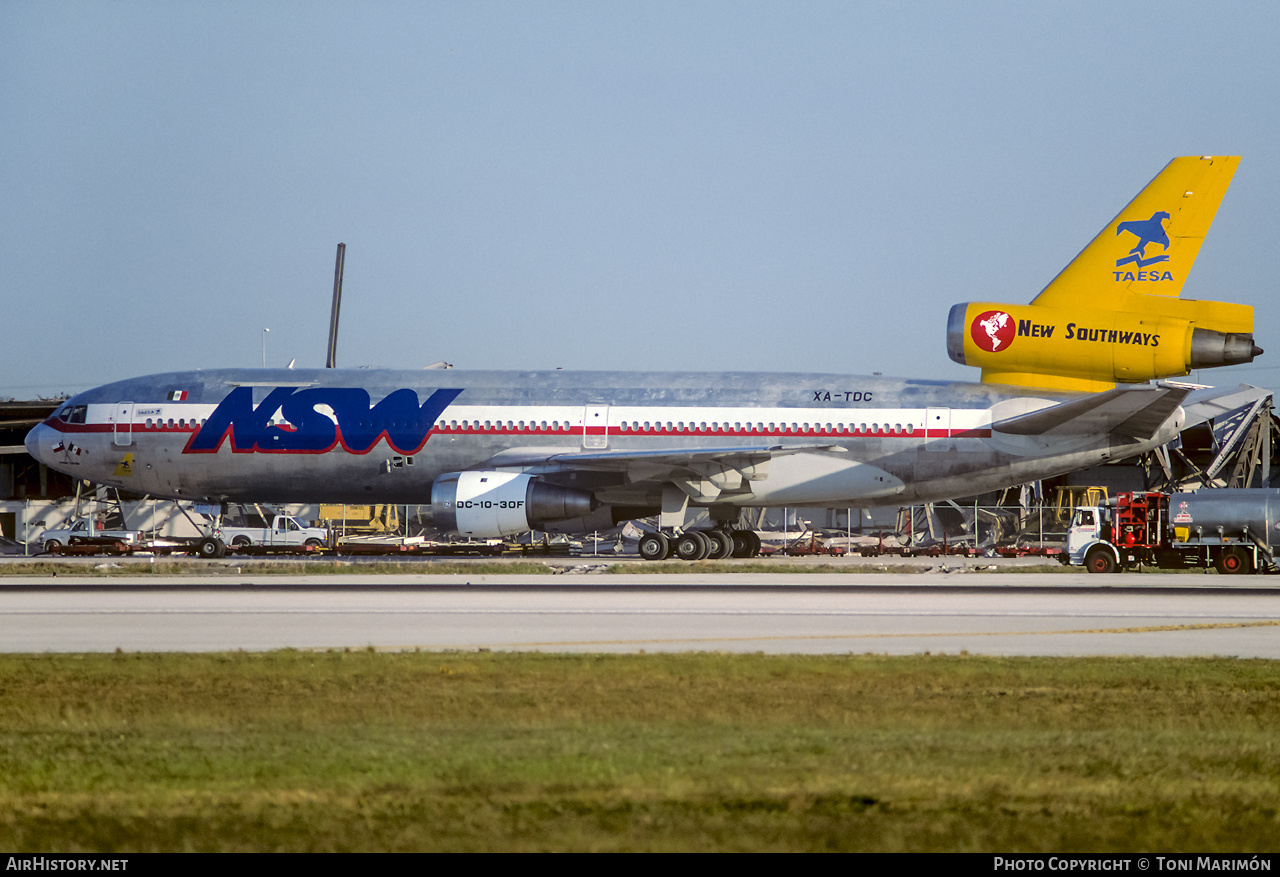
(1233, 530)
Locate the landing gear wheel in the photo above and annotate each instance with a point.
(692, 546)
(654, 546)
(211, 548)
(1232, 561)
(1100, 560)
(745, 543)
(723, 546)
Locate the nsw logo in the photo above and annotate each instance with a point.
(351, 420)
(993, 330)
(1147, 231)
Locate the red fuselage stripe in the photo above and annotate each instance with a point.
(90, 428)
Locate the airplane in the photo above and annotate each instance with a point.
(1067, 383)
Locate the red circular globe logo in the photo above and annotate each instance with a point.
(993, 331)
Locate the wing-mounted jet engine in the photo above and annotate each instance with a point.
(1113, 315)
(488, 503)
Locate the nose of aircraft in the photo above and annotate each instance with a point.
(37, 442)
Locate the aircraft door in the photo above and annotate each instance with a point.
(123, 426)
(595, 427)
(937, 429)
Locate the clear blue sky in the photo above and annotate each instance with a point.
(794, 186)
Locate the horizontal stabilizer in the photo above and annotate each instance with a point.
(1207, 403)
(1134, 412)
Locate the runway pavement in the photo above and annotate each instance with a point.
(977, 612)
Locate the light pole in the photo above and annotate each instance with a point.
(264, 347)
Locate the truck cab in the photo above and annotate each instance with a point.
(1128, 531)
(1087, 539)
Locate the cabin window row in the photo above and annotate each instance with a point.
(632, 427)
(771, 427)
(180, 423)
(699, 426)
(554, 426)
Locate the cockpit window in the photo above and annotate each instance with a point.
(72, 413)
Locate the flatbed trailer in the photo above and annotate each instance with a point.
(267, 550)
(87, 546)
(803, 547)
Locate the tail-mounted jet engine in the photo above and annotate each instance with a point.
(489, 504)
(1092, 348)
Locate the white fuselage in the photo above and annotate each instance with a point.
(735, 439)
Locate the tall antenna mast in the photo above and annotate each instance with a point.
(331, 361)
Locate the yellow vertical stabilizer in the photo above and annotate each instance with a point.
(1151, 245)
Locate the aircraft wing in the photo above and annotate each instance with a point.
(662, 458)
(1136, 412)
(709, 474)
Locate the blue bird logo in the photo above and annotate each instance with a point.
(1147, 231)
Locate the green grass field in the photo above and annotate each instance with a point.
(483, 751)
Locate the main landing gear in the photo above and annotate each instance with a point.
(716, 544)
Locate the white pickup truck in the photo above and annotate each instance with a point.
(82, 529)
(284, 532)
